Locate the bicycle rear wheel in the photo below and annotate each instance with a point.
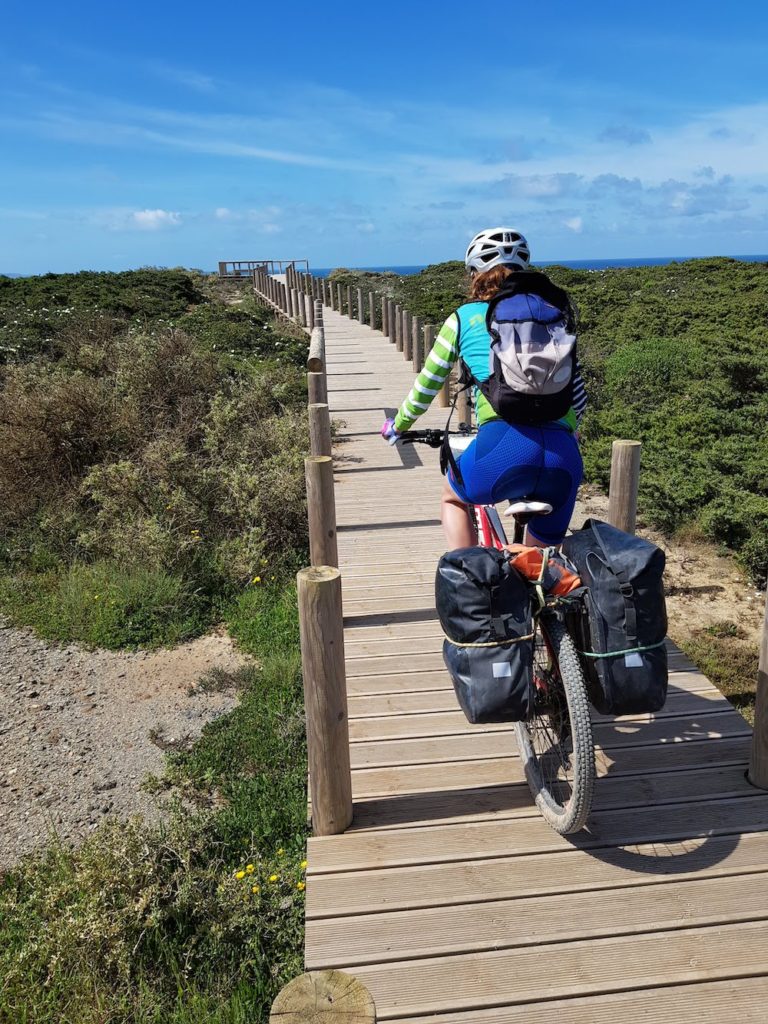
(556, 742)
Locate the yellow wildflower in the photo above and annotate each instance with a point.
(303, 865)
(274, 878)
(280, 852)
(256, 579)
(255, 888)
(239, 875)
(250, 868)
(301, 886)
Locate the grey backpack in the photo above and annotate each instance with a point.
(533, 350)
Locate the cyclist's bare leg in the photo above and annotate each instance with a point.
(534, 542)
(458, 527)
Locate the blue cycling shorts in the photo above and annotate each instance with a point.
(512, 463)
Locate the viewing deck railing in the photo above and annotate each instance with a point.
(236, 270)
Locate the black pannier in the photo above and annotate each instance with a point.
(622, 624)
(484, 607)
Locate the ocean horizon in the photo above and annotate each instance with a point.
(595, 264)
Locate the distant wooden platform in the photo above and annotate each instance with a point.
(450, 898)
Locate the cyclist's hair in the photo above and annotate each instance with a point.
(484, 286)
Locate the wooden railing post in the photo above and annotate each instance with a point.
(372, 310)
(309, 307)
(398, 328)
(319, 429)
(317, 388)
(340, 299)
(360, 308)
(384, 316)
(349, 301)
(625, 477)
(758, 761)
(418, 344)
(407, 337)
(325, 698)
(318, 307)
(328, 996)
(391, 320)
(321, 510)
(464, 407)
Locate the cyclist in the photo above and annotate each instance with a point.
(505, 461)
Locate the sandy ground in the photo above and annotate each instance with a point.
(80, 730)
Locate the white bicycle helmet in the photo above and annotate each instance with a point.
(497, 247)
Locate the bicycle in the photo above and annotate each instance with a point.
(556, 743)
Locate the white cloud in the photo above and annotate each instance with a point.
(154, 220)
(574, 224)
(222, 213)
(366, 227)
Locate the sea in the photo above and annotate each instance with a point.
(641, 261)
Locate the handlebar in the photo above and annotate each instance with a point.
(432, 438)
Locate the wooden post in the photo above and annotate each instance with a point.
(325, 697)
(758, 761)
(387, 306)
(464, 407)
(316, 357)
(407, 336)
(317, 387)
(418, 344)
(384, 323)
(398, 328)
(324, 997)
(625, 476)
(318, 307)
(340, 299)
(319, 429)
(321, 510)
(360, 309)
(349, 301)
(309, 306)
(372, 310)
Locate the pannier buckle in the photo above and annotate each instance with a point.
(627, 590)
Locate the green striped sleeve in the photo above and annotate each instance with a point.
(437, 366)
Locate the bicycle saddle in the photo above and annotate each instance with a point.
(528, 508)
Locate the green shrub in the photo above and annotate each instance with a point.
(105, 605)
(147, 447)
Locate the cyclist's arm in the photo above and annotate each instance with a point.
(437, 366)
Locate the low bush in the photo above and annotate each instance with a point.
(149, 446)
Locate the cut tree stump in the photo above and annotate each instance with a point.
(324, 997)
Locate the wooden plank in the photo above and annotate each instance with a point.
(445, 843)
(535, 874)
(707, 699)
(382, 754)
(566, 969)
(717, 1002)
(514, 799)
(496, 741)
(398, 782)
(509, 924)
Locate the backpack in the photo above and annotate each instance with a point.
(621, 626)
(532, 325)
(485, 610)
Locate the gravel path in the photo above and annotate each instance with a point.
(80, 730)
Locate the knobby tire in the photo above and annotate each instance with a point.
(568, 731)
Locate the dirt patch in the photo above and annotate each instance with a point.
(80, 730)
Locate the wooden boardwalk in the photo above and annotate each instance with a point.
(449, 897)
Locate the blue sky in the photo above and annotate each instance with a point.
(356, 134)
